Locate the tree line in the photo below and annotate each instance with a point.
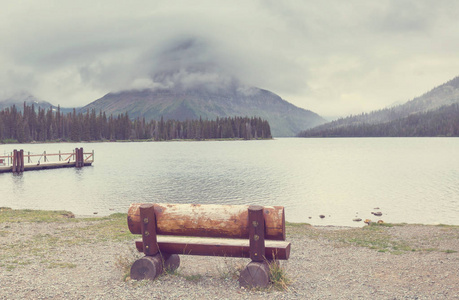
(440, 122)
(32, 124)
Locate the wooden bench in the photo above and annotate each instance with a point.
(167, 230)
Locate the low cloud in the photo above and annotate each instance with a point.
(187, 63)
(332, 57)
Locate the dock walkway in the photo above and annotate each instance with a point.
(16, 161)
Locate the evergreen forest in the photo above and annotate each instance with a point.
(440, 122)
(31, 124)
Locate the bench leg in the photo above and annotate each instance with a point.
(171, 262)
(255, 274)
(150, 267)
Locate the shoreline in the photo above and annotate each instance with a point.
(137, 141)
(288, 223)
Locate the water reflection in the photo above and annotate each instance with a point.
(79, 173)
(18, 180)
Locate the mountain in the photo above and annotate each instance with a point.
(443, 121)
(20, 98)
(211, 102)
(437, 104)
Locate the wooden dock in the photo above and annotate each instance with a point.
(17, 162)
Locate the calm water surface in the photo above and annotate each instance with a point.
(412, 180)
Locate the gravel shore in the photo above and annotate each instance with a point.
(82, 260)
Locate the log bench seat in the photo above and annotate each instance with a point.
(217, 247)
(168, 230)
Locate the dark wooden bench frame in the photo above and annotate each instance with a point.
(167, 230)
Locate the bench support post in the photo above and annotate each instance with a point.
(147, 215)
(153, 263)
(256, 273)
(256, 233)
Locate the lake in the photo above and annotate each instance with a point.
(409, 180)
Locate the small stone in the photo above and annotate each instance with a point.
(68, 215)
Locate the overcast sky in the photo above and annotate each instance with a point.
(332, 57)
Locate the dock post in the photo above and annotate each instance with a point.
(18, 161)
(79, 158)
(15, 158)
(21, 161)
(28, 157)
(76, 157)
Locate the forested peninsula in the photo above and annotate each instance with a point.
(442, 122)
(31, 124)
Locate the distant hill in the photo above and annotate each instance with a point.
(431, 114)
(180, 104)
(443, 121)
(19, 99)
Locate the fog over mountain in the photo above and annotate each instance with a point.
(188, 81)
(334, 58)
